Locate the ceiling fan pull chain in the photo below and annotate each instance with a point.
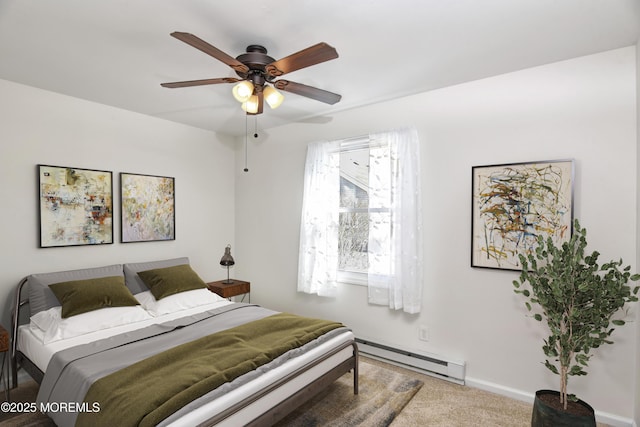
(246, 148)
(255, 127)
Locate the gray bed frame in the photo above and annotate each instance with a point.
(273, 415)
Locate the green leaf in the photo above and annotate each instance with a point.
(582, 359)
(618, 322)
(551, 367)
(576, 370)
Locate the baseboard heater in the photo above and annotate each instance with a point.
(427, 364)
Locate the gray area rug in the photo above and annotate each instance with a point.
(382, 395)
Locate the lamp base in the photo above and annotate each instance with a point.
(229, 280)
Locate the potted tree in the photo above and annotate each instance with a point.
(578, 300)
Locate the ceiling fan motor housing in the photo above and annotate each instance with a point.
(255, 59)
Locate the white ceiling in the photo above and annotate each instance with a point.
(117, 52)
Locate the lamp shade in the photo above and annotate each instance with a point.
(227, 259)
(251, 104)
(273, 97)
(242, 91)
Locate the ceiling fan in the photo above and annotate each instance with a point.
(258, 71)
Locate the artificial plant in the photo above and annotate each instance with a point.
(578, 299)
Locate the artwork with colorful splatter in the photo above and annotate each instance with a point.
(148, 208)
(515, 203)
(76, 206)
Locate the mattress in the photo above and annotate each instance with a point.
(31, 345)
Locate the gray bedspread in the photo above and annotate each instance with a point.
(71, 372)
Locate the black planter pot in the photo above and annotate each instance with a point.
(548, 416)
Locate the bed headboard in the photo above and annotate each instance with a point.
(19, 302)
(33, 294)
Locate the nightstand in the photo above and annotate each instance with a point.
(228, 290)
(4, 349)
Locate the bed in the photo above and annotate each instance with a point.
(160, 349)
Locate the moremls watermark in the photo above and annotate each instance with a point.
(50, 407)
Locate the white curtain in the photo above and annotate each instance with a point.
(395, 236)
(395, 226)
(318, 258)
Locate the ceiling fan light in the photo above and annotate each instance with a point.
(273, 97)
(242, 91)
(251, 104)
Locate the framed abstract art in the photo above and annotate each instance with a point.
(513, 204)
(148, 208)
(75, 205)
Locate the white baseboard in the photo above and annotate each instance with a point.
(426, 363)
(501, 390)
(601, 417)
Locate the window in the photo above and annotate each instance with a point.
(361, 219)
(356, 212)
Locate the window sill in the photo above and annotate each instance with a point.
(352, 278)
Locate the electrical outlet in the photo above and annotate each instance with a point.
(423, 333)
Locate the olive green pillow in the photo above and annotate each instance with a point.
(82, 296)
(163, 282)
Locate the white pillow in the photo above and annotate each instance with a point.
(176, 302)
(50, 326)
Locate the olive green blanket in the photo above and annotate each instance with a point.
(147, 392)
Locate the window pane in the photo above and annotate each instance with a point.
(354, 198)
(354, 179)
(353, 238)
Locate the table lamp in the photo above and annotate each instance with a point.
(227, 261)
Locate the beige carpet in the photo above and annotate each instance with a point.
(440, 403)
(444, 404)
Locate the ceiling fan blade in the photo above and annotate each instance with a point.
(313, 55)
(174, 85)
(205, 47)
(308, 91)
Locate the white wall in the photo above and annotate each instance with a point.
(583, 109)
(47, 128)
